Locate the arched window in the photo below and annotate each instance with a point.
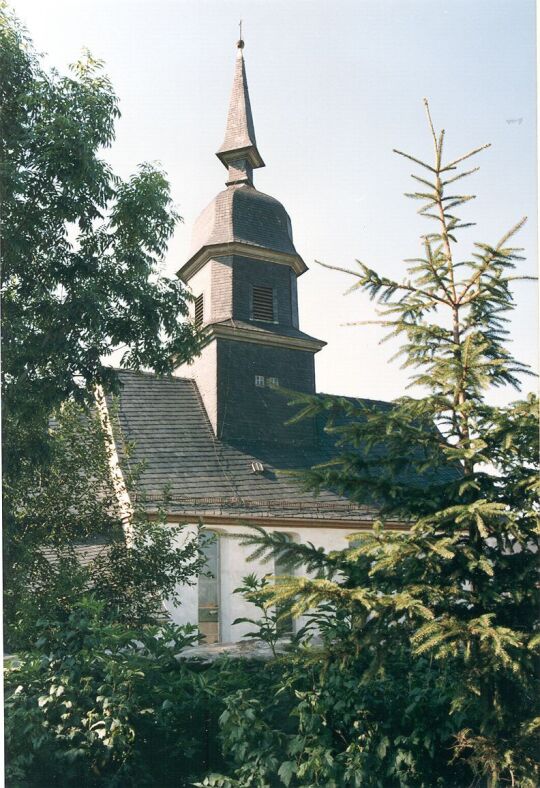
(209, 590)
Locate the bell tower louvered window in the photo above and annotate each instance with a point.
(262, 303)
(199, 310)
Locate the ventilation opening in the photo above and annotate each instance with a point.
(263, 303)
(199, 310)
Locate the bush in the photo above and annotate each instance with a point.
(97, 704)
(94, 704)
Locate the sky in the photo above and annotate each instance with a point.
(334, 87)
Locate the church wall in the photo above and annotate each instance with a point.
(203, 369)
(201, 283)
(221, 290)
(245, 410)
(294, 298)
(234, 565)
(187, 612)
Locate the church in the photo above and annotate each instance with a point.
(214, 434)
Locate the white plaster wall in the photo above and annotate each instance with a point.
(201, 282)
(234, 565)
(221, 289)
(203, 370)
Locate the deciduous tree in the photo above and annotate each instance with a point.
(81, 248)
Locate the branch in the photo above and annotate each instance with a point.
(412, 158)
(489, 259)
(452, 164)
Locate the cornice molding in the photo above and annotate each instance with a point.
(248, 152)
(234, 521)
(221, 331)
(206, 253)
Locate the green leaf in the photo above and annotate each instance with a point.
(286, 772)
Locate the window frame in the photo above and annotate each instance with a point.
(290, 622)
(217, 581)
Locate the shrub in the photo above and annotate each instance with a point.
(97, 704)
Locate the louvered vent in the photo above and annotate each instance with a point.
(263, 304)
(199, 310)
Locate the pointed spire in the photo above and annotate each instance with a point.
(239, 150)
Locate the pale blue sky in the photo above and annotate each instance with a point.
(334, 87)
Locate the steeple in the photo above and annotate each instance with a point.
(242, 271)
(239, 149)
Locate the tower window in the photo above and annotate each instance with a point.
(199, 310)
(262, 305)
(272, 382)
(259, 381)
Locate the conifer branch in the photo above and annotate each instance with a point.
(452, 164)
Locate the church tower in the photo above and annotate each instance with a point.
(243, 271)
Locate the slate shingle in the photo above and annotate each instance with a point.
(165, 420)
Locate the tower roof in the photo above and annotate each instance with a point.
(243, 220)
(243, 214)
(240, 142)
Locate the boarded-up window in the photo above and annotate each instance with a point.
(199, 310)
(209, 592)
(263, 303)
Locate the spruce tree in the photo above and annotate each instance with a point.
(450, 603)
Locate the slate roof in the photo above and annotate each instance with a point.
(85, 553)
(243, 214)
(240, 131)
(165, 420)
(269, 328)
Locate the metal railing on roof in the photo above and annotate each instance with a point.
(255, 503)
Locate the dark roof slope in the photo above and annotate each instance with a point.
(243, 214)
(165, 420)
(269, 328)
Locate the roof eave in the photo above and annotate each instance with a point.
(243, 334)
(209, 251)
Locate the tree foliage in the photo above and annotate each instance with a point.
(98, 703)
(81, 247)
(450, 605)
(81, 257)
(68, 512)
